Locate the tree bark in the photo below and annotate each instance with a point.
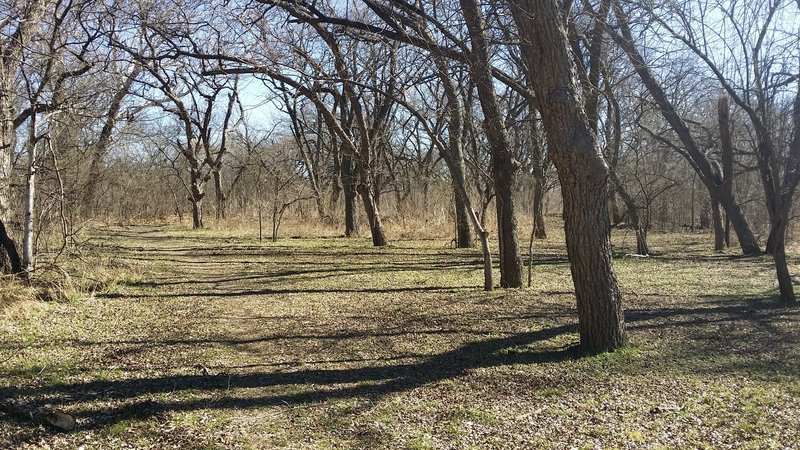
(719, 230)
(539, 181)
(788, 185)
(781, 267)
(463, 231)
(539, 230)
(10, 262)
(460, 186)
(582, 170)
(7, 143)
(336, 183)
(30, 198)
(373, 215)
(349, 181)
(220, 197)
(504, 167)
(196, 199)
(9, 257)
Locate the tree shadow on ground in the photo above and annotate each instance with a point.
(369, 382)
(699, 336)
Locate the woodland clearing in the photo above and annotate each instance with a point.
(214, 340)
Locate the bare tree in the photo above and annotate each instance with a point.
(504, 166)
(582, 171)
(719, 189)
(18, 26)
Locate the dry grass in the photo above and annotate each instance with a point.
(14, 294)
(211, 339)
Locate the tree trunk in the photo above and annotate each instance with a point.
(30, 200)
(504, 167)
(453, 156)
(10, 262)
(221, 198)
(373, 215)
(350, 193)
(781, 268)
(719, 231)
(617, 217)
(463, 231)
(196, 199)
(511, 268)
(275, 223)
(90, 189)
(633, 207)
(460, 186)
(539, 186)
(197, 213)
(100, 149)
(772, 238)
(336, 184)
(582, 170)
(7, 143)
(747, 240)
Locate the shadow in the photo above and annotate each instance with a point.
(246, 293)
(384, 333)
(721, 257)
(701, 338)
(370, 382)
(299, 275)
(697, 338)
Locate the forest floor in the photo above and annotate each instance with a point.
(212, 341)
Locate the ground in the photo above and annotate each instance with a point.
(214, 340)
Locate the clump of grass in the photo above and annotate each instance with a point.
(13, 292)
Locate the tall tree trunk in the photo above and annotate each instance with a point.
(772, 237)
(10, 262)
(373, 215)
(197, 213)
(220, 197)
(7, 142)
(791, 178)
(196, 199)
(582, 170)
(463, 231)
(504, 167)
(504, 174)
(460, 186)
(781, 268)
(336, 184)
(349, 181)
(617, 217)
(719, 230)
(538, 161)
(539, 185)
(9, 258)
(634, 218)
(19, 29)
(747, 240)
(30, 199)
